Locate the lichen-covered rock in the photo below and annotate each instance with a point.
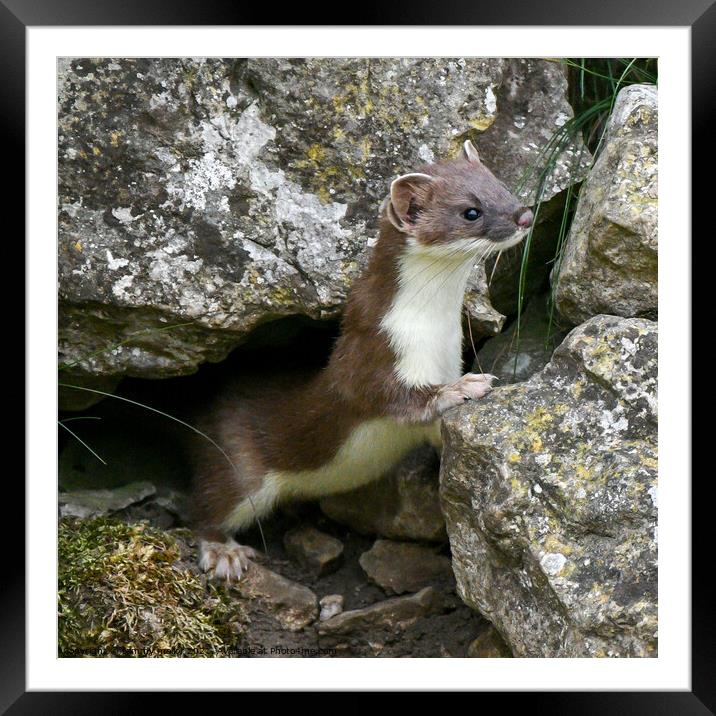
(609, 264)
(404, 505)
(200, 198)
(481, 317)
(549, 491)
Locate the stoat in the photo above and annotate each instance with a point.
(395, 368)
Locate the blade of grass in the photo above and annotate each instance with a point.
(591, 122)
(645, 74)
(81, 441)
(584, 68)
(613, 99)
(522, 283)
(80, 417)
(558, 257)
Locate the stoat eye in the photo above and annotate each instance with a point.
(472, 214)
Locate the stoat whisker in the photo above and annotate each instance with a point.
(450, 266)
(452, 253)
(494, 268)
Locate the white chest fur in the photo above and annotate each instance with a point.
(424, 322)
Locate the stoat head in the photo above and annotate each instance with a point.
(457, 206)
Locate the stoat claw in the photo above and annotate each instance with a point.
(474, 386)
(225, 560)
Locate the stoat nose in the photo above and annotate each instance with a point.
(524, 218)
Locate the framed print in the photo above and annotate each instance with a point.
(351, 337)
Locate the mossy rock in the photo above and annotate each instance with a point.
(132, 590)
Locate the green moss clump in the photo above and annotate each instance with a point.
(124, 591)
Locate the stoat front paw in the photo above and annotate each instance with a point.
(472, 386)
(225, 560)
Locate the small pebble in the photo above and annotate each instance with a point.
(331, 605)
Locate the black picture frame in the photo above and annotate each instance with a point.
(699, 15)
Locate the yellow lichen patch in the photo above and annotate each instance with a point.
(282, 296)
(114, 138)
(96, 151)
(316, 153)
(536, 423)
(603, 360)
(514, 457)
(482, 122)
(190, 78)
(583, 472)
(539, 418)
(365, 148)
(339, 103)
(519, 487)
(78, 246)
(552, 543)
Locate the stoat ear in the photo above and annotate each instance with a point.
(408, 195)
(470, 152)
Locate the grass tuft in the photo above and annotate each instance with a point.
(593, 88)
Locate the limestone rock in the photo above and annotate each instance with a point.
(201, 198)
(610, 261)
(400, 567)
(484, 319)
(393, 614)
(404, 505)
(292, 604)
(549, 489)
(331, 605)
(314, 549)
(94, 503)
